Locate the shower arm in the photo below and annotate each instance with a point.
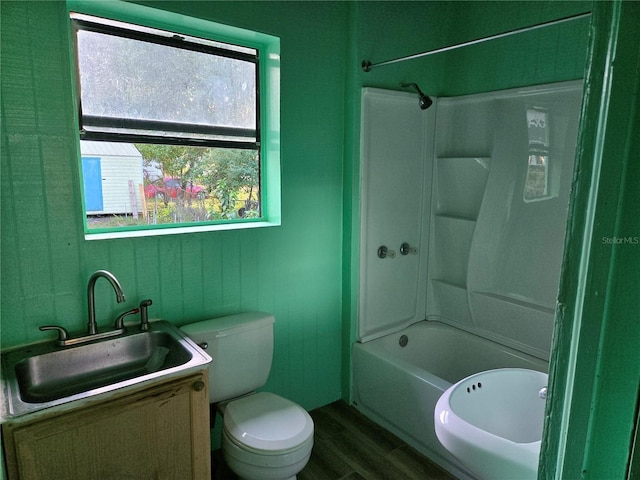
(424, 100)
(414, 85)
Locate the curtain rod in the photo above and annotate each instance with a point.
(367, 66)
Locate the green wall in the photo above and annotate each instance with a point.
(293, 271)
(544, 55)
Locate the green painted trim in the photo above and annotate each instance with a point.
(595, 366)
(174, 229)
(634, 467)
(350, 208)
(270, 106)
(175, 22)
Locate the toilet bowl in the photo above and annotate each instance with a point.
(264, 436)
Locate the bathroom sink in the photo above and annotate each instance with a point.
(45, 374)
(492, 422)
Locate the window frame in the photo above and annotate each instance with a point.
(267, 132)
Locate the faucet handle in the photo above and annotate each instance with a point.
(119, 325)
(63, 335)
(406, 249)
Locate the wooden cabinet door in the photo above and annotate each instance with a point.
(161, 432)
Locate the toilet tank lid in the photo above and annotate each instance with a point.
(231, 324)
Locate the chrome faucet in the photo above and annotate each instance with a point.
(65, 340)
(93, 327)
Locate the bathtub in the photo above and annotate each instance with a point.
(398, 386)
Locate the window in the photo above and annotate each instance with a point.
(171, 124)
(536, 185)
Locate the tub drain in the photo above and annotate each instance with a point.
(403, 341)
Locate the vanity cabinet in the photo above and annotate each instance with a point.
(159, 432)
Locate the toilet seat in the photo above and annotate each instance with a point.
(268, 424)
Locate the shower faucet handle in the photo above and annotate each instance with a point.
(384, 252)
(406, 249)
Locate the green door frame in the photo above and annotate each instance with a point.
(592, 411)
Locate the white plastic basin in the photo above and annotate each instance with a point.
(492, 422)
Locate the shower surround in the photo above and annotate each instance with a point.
(477, 187)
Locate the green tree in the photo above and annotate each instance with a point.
(228, 172)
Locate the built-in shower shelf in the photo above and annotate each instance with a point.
(455, 217)
(482, 159)
(460, 185)
(450, 301)
(451, 242)
(518, 301)
(449, 285)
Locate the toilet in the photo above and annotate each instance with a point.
(264, 436)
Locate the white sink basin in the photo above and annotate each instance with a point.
(492, 422)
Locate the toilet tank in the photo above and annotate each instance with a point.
(242, 349)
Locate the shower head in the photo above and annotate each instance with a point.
(424, 101)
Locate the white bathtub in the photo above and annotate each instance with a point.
(398, 387)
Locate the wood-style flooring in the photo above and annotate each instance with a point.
(349, 446)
